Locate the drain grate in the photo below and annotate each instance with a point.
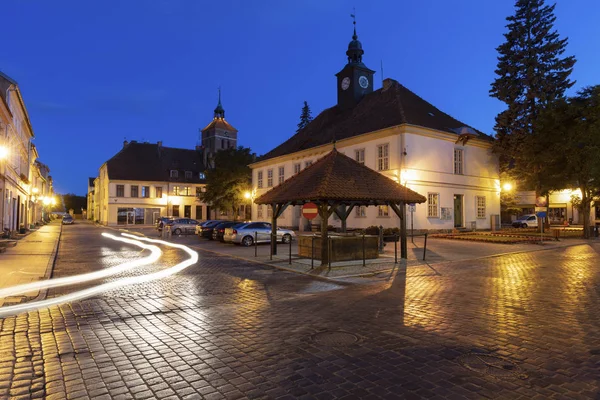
(334, 338)
(490, 365)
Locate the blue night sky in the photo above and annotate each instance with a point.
(95, 73)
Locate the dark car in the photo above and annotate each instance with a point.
(161, 221)
(68, 220)
(207, 229)
(219, 230)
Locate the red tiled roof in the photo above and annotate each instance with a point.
(386, 107)
(338, 177)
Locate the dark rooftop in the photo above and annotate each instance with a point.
(154, 162)
(340, 178)
(389, 106)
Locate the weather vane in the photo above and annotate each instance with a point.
(353, 15)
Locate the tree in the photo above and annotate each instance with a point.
(229, 179)
(305, 117)
(532, 74)
(574, 126)
(73, 202)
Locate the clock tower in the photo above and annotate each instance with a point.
(218, 134)
(355, 80)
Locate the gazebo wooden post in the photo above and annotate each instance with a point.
(324, 212)
(401, 213)
(403, 238)
(343, 213)
(274, 229)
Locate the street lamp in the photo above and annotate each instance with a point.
(3, 152)
(507, 187)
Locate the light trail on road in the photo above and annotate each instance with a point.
(82, 294)
(52, 283)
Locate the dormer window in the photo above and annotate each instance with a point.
(188, 174)
(201, 175)
(174, 173)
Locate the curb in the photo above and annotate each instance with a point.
(50, 267)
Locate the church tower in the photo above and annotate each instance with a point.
(355, 80)
(219, 134)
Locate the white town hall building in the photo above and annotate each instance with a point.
(395, 132)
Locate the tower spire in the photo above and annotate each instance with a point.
(353, 15)
(219, 111)
(355, 50)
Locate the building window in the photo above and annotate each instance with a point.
(260, 179)
(297, 167)
(281, 175)
(458, 161)
(188, 174)
(134, 191)
(201, 175)
(383, 159)
(176, 211)
(174, 173)
(120, 190)
(269, 212)
(361, 211)
(145, 191)
(187, 191)
(359, 155)
(159, 191)
(259, 211)
(383, 211)
(198, 212)
(175, 190)
(198, 191)
(269, 178)
(480, 206)
(433, 203)
(307, 164)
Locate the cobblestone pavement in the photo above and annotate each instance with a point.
(516, 326)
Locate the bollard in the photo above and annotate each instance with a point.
(290, 251)
(380, 239)
(425, 247)
(364, 263)
(255, 244)
(312, 256)
(329, 252)
(396, 249)
(271, 247)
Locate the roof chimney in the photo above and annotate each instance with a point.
(125, 143)
(387, 83)
(159, 143)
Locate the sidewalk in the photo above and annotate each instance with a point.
(30, 260)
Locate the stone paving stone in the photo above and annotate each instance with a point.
(227, 329)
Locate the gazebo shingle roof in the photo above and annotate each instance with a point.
(339, 178)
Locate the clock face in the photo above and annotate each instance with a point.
(345, 83)
(363, 82)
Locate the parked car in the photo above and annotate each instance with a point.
(246, 234)
(219, 229)
(68, 220)
(161, 221)
(206, 231)
(183, 226)
(526, 221)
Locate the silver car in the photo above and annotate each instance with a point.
(246, 234)
(185, 226)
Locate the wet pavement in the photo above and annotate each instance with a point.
(515, 326)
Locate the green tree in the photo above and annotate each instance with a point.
(574, 126)
(305, 117)
(531, 74)
(229, 179)
(74, 202)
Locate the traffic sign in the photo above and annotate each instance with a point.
(310, 210)
(541, 214)
(412, 207)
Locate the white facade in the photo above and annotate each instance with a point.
(461, 182)
(118, 202)
(16, 161)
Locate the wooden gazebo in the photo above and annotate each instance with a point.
(336, 184)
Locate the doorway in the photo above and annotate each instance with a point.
(187, 211)
(458, 211)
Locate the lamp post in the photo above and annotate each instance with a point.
(250, 195)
